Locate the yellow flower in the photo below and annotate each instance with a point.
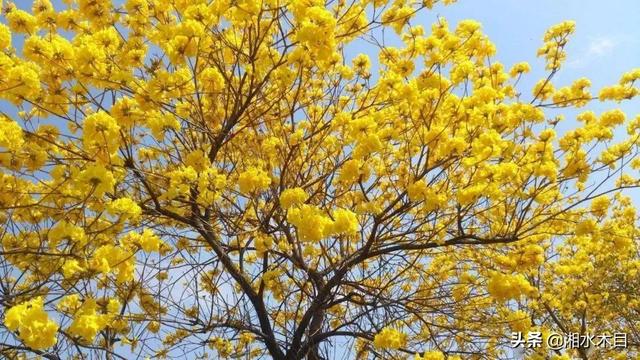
(5, 37)
(263, 242)
(65, 230)
(292, 197)
(530, 256)
(21, 21)
(312, 224)
(87, 322)
(617, 93)
(100, 129)
(519, 68)
(70, 268)
(212, 80)
(467, 28)
(389, 338)
(32, 323)
(351, 171)
(126, 111)
(253, 179)
(344, 222)
(249, 123)
(600, 205)
(69, 303)
(154, 327)
(518, 321)
(504, 287)
(108, 258)
(125, 208)
(160, 123)
(420, 191)
(10, 134)
(97, 178)
(361, 63)
(612, 118)
(113, 306)
(149, 241)
(198, 160)
(315, 30)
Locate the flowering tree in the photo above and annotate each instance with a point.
(193, 178)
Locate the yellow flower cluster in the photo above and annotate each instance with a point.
(311, 222)
(519, 69)
(352, 171)
(210, 185)
(253, 179)
(362, 64)
(21, 21)
(263, 242)
(109, 258)
(71, 267)
(612, 118)
(434, 355)
(10, 134)
(600, 205)
(504, 286)
(624, 90)
(398, 16)
(555, 39)
(314, 225)
(420, 191)
(292, 197)
(161, 123)
(389, 338)
(65, 230)
(96, 179)
(32, 323)
(180, 181)
(5, 37)
(125, 208)
(147, 240)
(530, 256)
(315, 29)
(344, 222)
(574, 95)
(525, 257)
(101, 131)
(224, 347)
(271, 281)
(87, 322)
(518, 320)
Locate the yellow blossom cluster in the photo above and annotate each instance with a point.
(253, 179)
(390, 338)
(87, 322)
(35, 327)
(292, 197)
(505, 286)
(313, 224)
(555, 39)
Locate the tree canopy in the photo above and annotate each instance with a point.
(227, 179)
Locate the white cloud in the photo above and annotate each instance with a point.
(601, 46)
(597, 47)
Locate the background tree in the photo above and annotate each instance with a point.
(187, 178)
